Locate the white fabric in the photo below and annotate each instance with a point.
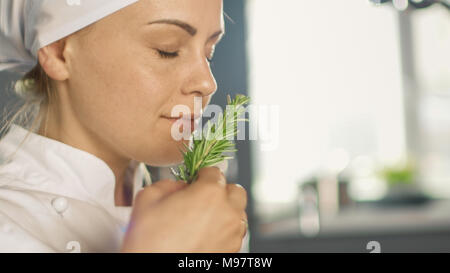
(28, 25)
(53, 195)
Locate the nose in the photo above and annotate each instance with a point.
(200, 80)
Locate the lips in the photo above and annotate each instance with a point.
(192, 117)
(185, 121)
(186, 117)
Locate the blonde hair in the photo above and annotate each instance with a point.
(35, 92)
(32, 94)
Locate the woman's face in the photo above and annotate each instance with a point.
(129, 71)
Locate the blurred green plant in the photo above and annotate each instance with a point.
(399, 174)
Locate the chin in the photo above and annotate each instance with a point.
(165, 151)
(170, 156)
(175, 159)
(166, 161)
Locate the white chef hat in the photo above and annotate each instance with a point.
(28, 25)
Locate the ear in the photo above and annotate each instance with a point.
(52, 60)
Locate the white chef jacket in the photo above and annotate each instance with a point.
(56, 198)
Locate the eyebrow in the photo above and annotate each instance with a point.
(187, 27)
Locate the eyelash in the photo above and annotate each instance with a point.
(167, 55)
(172, 55)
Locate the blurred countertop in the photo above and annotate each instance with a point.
(369, 218)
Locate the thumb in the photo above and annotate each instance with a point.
(210, 175)
(168, 186)
(156, 192)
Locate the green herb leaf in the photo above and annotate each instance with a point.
(216, 140)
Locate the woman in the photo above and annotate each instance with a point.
(106, 77)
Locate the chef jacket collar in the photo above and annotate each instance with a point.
(72, 167)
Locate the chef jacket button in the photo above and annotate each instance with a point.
(60, 204)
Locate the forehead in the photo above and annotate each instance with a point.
(205, 15)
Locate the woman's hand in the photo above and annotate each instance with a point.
(207, 216)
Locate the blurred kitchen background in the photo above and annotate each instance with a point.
(362, 148)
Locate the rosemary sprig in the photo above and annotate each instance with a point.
(216, 140)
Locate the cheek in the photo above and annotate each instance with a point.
(122, 103)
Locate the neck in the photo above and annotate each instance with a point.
(123, 193)
(57, 126)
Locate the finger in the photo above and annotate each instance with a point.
(237, 196)
(211, 175)
(169, 186)
(244, 228)
(158, 191)
(245, 220)
(222, 165)
(244, 216)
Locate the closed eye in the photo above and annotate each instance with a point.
(171, 55)
(167, 55)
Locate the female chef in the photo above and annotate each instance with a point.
(100, 80)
